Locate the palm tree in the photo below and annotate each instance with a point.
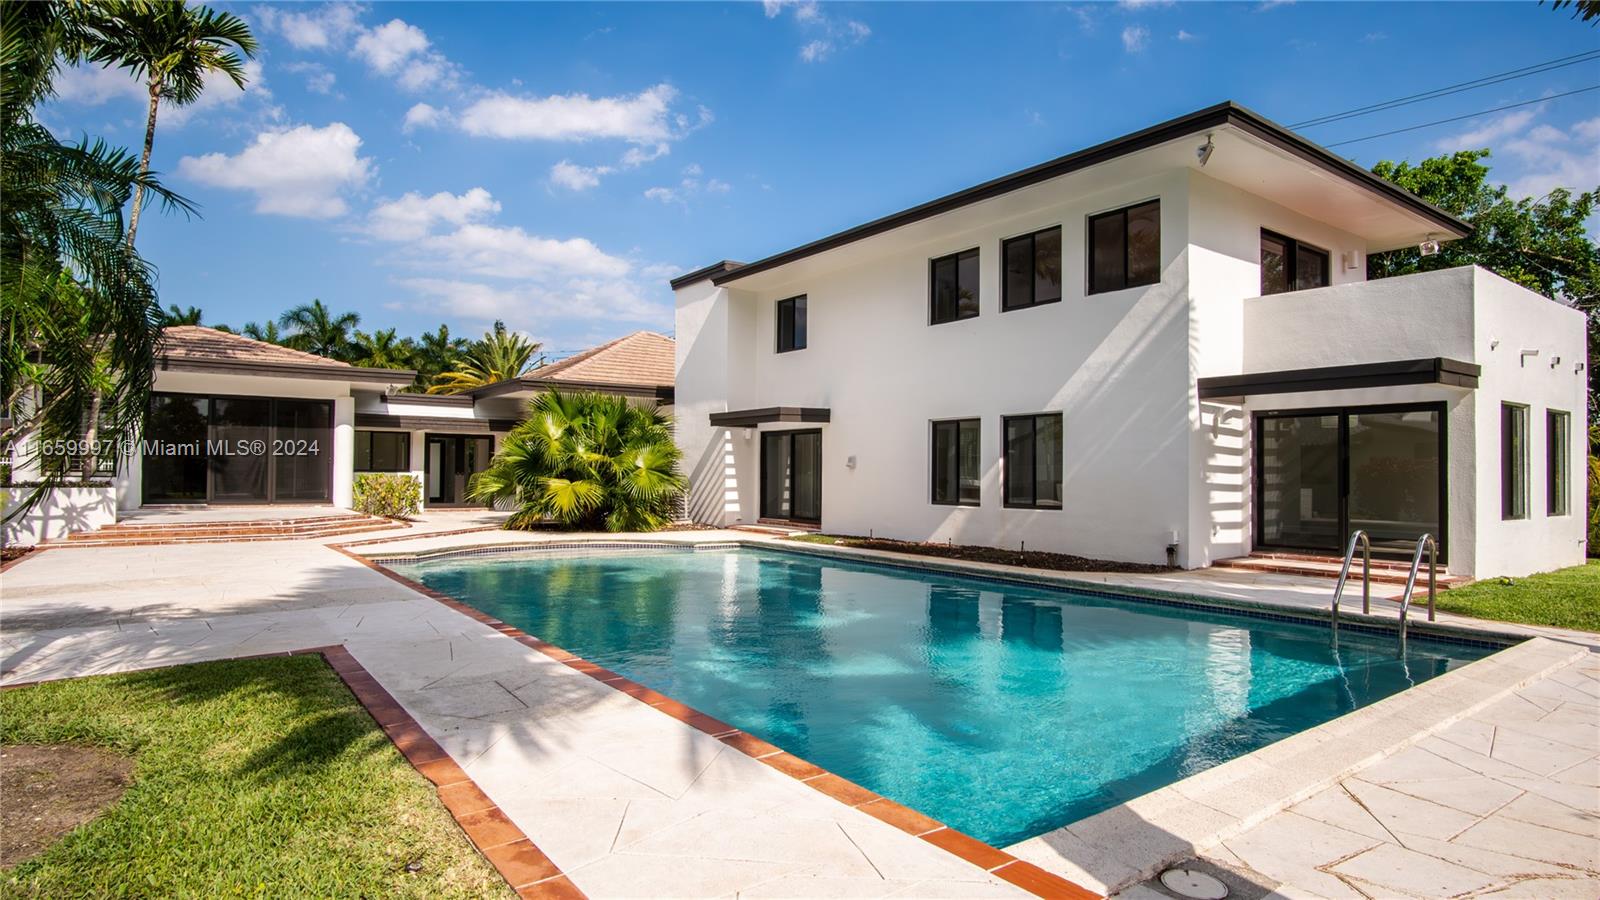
(171, 47)
(382, 350)
(498, 355)
(175, 316)
(586, 460)
(436, 352)
(312, 327)
(81, 323)
(267, 333)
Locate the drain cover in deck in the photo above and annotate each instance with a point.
(1194, 883)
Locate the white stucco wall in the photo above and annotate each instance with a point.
(60, 512)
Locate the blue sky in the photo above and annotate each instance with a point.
(554, 164)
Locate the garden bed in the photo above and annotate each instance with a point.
(1058, 562)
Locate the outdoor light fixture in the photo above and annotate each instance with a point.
(1204, 151)
(1428, 247)
(748, 432)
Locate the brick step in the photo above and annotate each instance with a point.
(1388, 573)
(96, 539)
(219, 532)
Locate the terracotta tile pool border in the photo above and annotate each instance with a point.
(491, 832)
(997, 862)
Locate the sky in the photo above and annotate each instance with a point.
(553, 165)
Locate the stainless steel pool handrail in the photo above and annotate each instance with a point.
(1426, 541)
(1344, 574)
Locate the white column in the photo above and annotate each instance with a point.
(344, 451)
(419, 464)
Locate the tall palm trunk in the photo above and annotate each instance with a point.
(144, 158)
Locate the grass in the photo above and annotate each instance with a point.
(252, 778)
(1566, 598)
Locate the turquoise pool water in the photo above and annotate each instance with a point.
(1000, 709)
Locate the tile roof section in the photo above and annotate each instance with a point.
(641, 358)
(199, 342)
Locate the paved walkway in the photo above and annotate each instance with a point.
(630, 802)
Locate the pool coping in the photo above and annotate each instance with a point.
(997, 862)
(1128, 843)
(526, 869)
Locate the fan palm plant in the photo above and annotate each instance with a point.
(500, 354)
(314, 328)
(80, 323)
(171, 47)
(589, 461)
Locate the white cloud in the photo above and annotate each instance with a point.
(93, 86)
(301, 171)
(424, 116)
(1186, 36)
(319, 78)
(587, 299)
(826, 34)
(326, 27)
(575, 177)
(413, 216)
(642, 118)
(1481, 135)
(1532, 157)
(510, 252)
(664, 194)
(638, 156)
(691, 186)
(1134, 38)
(402, 51)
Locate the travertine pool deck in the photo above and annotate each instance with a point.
(629, 802)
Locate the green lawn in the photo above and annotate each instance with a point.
(252, 778)
(1567, 598)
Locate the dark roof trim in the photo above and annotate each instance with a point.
(422, 423)
(701, 274)
(1432, 370)
(1212, 117)
(529, 383)
(429, 399)
(739, 417)
(288, 370)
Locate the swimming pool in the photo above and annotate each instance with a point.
(1004, 710)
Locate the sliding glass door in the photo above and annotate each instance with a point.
(237, 450)
(1322, 474)
(791, 475)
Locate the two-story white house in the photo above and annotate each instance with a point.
(1160, 347)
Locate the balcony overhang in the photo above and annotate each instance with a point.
(740, 418)
(1429, 370)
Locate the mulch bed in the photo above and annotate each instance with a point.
(12, 554)
(1059, 562)
(50, 789)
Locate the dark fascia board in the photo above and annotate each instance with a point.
(701, 274)
(527, 383)
(1429, 370)
(1212, 117)
(430, 399)
(288, 370)
(423, 423)
(743, 417)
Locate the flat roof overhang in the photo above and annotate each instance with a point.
(746, 417)
(357, 374)
(1252, 153)
(1429, 370)
(527, 387)
(441, 424)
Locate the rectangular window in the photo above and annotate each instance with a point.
(792, 324)
(1125, 248)
(1513, 461)
(956, 475)
(1289, 265)
(1558, 462)
(1033, 269)
(953, 287)
(1033, 461)
(383, 451)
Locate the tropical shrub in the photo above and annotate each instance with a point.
(587, 461)
(390, 495)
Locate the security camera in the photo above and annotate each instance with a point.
(1428, 247)
(1204, 151)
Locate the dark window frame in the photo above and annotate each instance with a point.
(797, 334)
(1033, 474)
(1557, 463)
(1258, 448)
(933, 285)
(1291, 258)
(1033, 253)
(1514, 462)
(788, 434)
(405, 449)
(933, 460)
(1089, 245)
(272, 431)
